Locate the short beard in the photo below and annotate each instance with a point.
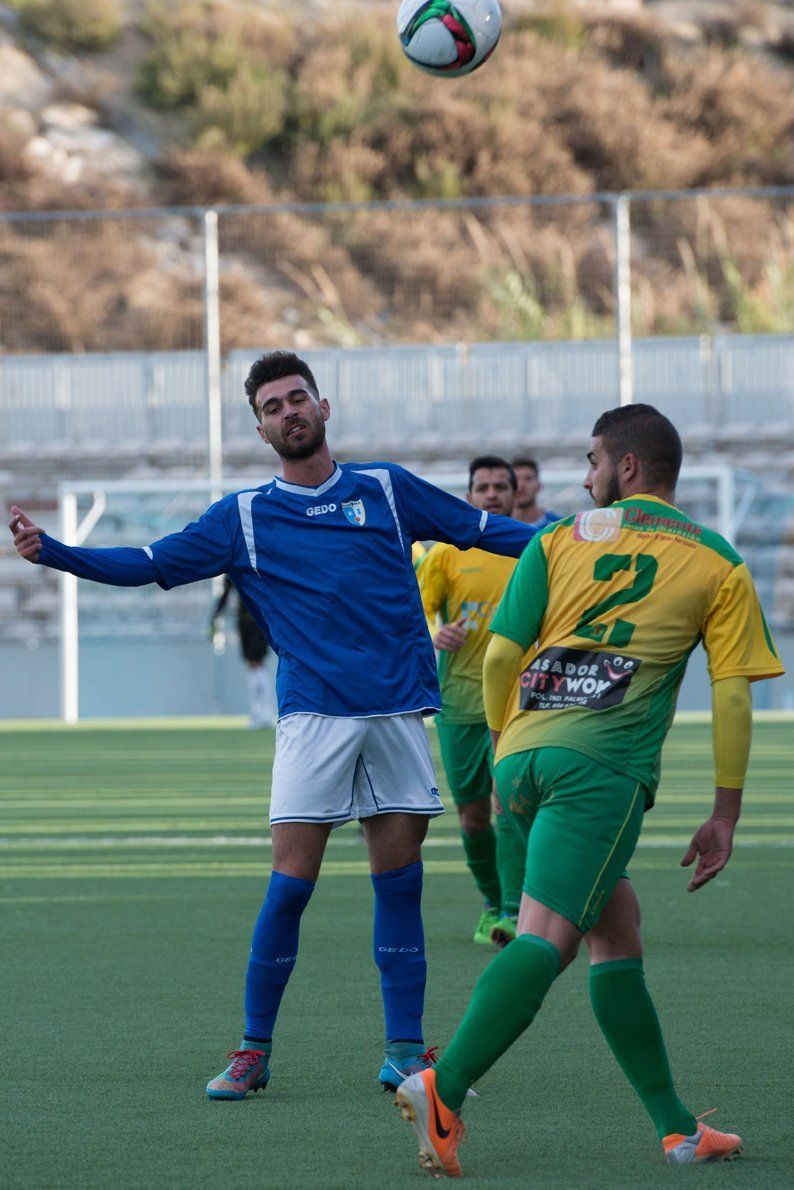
(295, 453)
(612, 494)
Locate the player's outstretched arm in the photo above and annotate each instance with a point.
(121, 567)
(731, 721)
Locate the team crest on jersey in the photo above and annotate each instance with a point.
(355, 511)
(598, 524)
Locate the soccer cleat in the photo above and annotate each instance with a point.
(401, 1060)
(505, 930)
(482, 931)
(249, 1070)
(707, 1144)
(438, 1129)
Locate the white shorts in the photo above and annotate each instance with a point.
(334, 769)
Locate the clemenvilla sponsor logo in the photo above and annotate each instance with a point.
(321, 509)
(635, 518)
(561, 678)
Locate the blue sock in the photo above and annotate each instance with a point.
(274, 949)
(399, 945)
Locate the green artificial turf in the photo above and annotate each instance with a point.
(134, 863)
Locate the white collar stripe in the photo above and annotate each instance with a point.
(297, 490)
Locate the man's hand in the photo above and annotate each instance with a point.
(27, 536)
(711, 844)
(450, 637)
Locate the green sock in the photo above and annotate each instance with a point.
(504, 1003)
(511, 859)
(480, 852)
(625, 1012)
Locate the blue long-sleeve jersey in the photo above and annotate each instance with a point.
(326, 573)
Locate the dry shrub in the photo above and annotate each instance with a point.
(635, 42)
(73, 24)
(347, 171)
(95, 286)
(244, 115)
(746, 112)
(193, 177)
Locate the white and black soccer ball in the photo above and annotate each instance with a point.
(449, 38)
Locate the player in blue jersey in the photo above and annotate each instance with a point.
(527, 508)
(322, 558)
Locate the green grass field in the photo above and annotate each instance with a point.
(134, 863)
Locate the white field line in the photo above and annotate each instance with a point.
(86, 842)
(238, 722)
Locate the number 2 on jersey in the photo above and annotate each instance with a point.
(606, 567)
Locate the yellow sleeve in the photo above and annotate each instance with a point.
(735, 635)
(501, 668)
(433, 582)
(731, 729)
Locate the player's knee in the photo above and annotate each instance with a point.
(475, 817)
(288, 894)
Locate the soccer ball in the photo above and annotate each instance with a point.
(446, 38)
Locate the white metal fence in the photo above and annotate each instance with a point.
(138, 326)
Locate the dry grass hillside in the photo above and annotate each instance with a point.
(213, 101)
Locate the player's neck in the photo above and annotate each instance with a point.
(311, 472)
(640, 488)
(529, 515)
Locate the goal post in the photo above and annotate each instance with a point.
(136, 512)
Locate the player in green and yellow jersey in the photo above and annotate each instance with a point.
(463, 588)
(590, 645)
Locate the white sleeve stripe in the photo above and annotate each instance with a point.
(244, 502)
(384, 479)
(483, 521)
(147, 550)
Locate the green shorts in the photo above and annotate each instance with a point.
(580, 822)
(467, 758)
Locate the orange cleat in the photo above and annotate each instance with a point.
(707, 1144)
(439, 1129)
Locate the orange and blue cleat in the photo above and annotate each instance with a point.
(249, 1070)
(439, 1130)
(707, 1144)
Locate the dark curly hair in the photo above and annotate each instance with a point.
(275, 365)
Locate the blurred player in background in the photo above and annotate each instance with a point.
(254, 650)
(527, 507)
(590, 645)
(322, 557)
(463, 589)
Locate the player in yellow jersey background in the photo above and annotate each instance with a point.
(590, 645)
(463, 590)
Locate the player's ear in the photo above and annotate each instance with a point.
(468, 498)
(325, 409)
(260, 429)
(629, 467)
